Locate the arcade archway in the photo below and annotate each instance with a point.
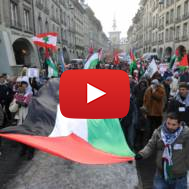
(23, 51)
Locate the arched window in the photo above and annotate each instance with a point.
(47, 26)
(40, 24)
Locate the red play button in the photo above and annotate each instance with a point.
(94, 94)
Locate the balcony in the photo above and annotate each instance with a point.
(154, 43)
(15, 24)
(160, 42)
(46, 10)
(178, 19)
(28, 29)
(177, 39)
(185, 16)
(184, 38)
(161, 27)
(39, 5)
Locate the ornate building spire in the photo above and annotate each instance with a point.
(114, 24)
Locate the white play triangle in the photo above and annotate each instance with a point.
(93, 93)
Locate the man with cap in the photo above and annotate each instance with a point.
(170, 143)
(154, 103)
(180, 104)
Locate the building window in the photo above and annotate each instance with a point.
(185, 29)
(178, 12)
(167, 35)
(177, 32)
(171, 15)
(47, 26)
(40, 25)
(14, 13)
(167, 18)
(171, 33)
(26, 20)
(186, 8)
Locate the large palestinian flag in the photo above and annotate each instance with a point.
(85, 141)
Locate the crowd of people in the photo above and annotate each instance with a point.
(158, 118)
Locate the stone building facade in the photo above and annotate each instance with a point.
(22, 19)
(162, 25)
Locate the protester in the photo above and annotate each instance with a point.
(22, 98)
(139, 91)
(154, 103)
(143, 129)
(168, 73)
(185, 76)
(167, 87)
(6, 96)
(129, 123)
(171, 144)
(1, 116)
(180, 104)
(174, 84)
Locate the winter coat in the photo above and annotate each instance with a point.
(22, 100)
(130, 122)
(180, 107)
(6, 94)
(180, 155)
(154, 101)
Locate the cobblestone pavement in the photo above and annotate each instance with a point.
(46, 172)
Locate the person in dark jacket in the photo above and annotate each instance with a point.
(167, 74)
(139, 91)
(129, 123)
(180, 104)
(185, 76)
(167, 87)
(143, 129)
(6, 96)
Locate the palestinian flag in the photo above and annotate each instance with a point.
(141, 70)
(133, 65)
(172, 61)
(85, 141)
(46, 40)
(93, 60)
(52, 68)
(177, 57)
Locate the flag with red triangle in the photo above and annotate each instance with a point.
(183, 64)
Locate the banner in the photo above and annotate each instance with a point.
(33, 72)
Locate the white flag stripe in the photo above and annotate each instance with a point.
(65, 126)
(52, 40)
(91, 59)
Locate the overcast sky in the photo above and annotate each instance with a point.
(124, 11)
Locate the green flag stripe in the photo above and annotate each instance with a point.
(93, 64)
(107, 135)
